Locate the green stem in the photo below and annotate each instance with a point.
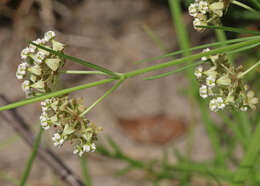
(104, 96)
(131, 74)
(248, 70)
(55, 94)
(243, 5)
(249, 159)
(190, 58)
(31, 159)
(197, 48)
(85, 171)
(84, 72)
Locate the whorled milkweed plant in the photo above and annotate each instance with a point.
(220, 80)
(43, 61)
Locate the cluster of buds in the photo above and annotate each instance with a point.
(223, 84)
(63, 114)
(206, 12)
(39, 68)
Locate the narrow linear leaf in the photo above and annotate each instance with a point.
(77, 60)
(231, 29)
(196, 48)
(174, 71)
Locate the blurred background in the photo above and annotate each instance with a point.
(145, 118)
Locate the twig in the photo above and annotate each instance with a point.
(24, 131)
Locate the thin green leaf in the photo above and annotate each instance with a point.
(174, 71)
(197, 48)
(77, 60)
(231, 29)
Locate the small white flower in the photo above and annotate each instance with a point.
(197, 22)
(58, 140)
(203, 91)
(49, 35)
(86, 148)
(203, 7)
(26, 86)
(39, 57)
(25, 52)
(198, 71)
(213, 105)
(211, 81)
(81, 153)
(193, 9)
(204, 58)
(75, 151)
(93, 147)
(220, 103)
(243, 108)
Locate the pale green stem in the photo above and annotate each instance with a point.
(84, 72)
(248, 70)
(104, 96)
(243, 5)
(131, 74)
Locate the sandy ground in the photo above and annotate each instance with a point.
(109, 33)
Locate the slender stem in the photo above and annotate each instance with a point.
(55, 94)
(249, 159)
(104, 96)
(85, 171)
(174, 71)
(84, 72)
(190, 58)
(197, 48)
(31, 159)
(248, 70)
(131, 74)
(243, 5)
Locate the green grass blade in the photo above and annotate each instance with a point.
(174, 71)
(31, 159)
(197, 48)
(85, 171)
(77, 60)
(231, 29)
(54, 94)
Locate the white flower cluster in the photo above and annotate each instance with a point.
(206, 12)
(221, 83)
(39, 68)
(64, 115)
(80, 150)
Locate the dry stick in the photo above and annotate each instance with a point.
(24, 131)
